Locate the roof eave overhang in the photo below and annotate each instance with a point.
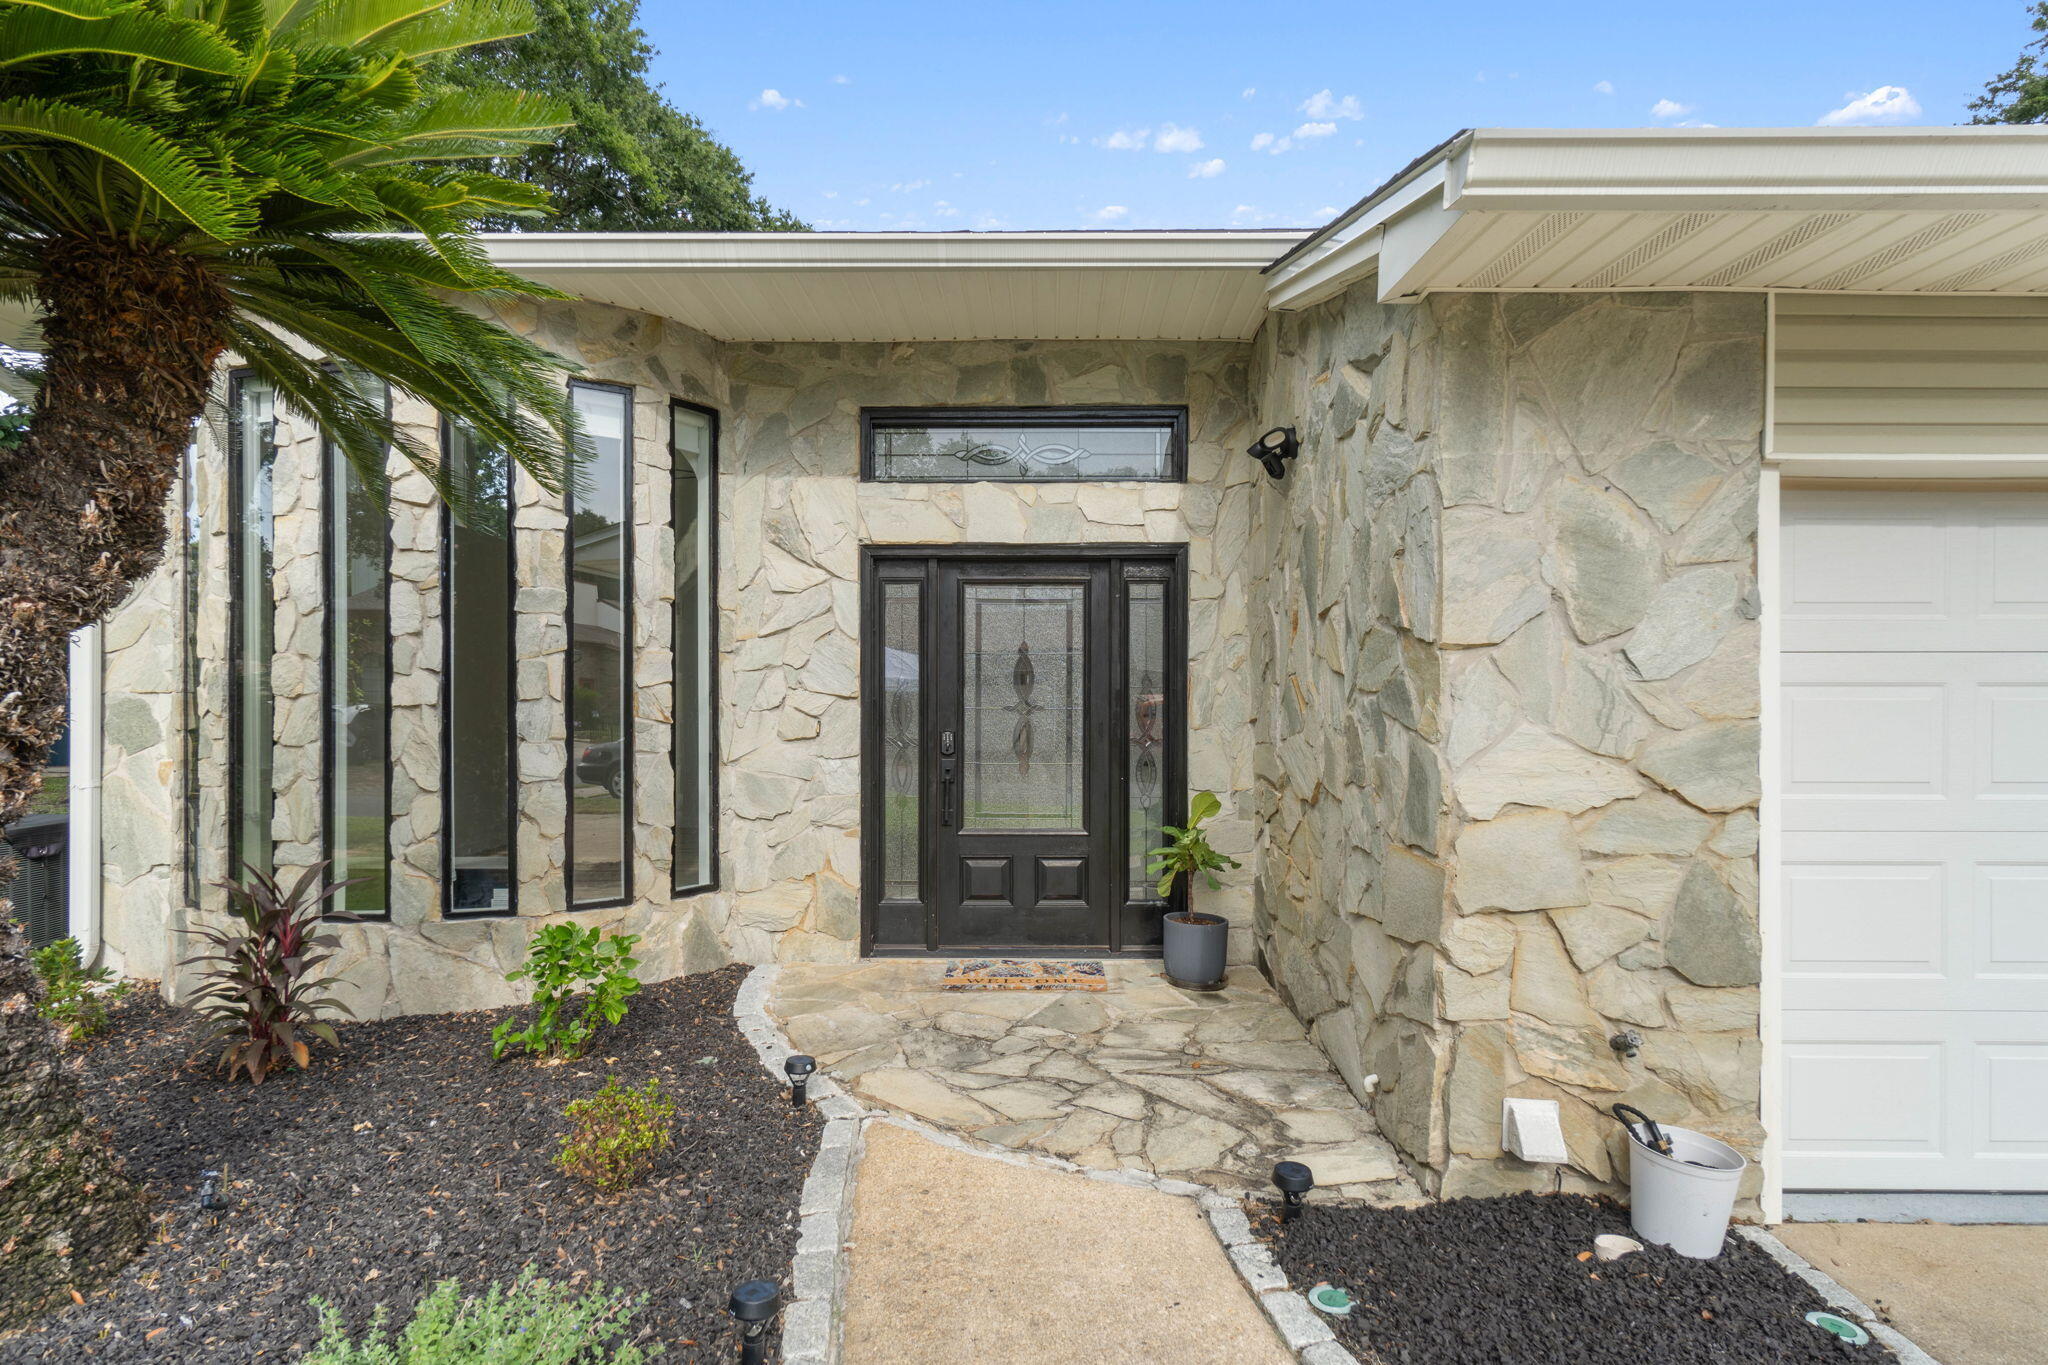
(1936, 181)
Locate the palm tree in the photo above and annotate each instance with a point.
(181, 180)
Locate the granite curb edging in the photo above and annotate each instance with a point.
(1837, 1297)
(817, 1274)
(1299, 1324)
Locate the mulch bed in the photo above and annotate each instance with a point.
(406, 1157)
(1488, 1281)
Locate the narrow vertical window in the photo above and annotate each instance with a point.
(479, 776)
(902, 739)
(693, 443)
(600, 629)
(252, 459)
(188, 670)
(358, 683)
(1145, 725)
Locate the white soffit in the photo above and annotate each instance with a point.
(1905, 210)
(904, 286)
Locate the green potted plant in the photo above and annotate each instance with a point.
(1197, 945)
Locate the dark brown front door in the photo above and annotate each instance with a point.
(1023, 744)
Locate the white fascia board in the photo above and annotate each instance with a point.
(1760, 169)
(1355, 251)
(800, 251)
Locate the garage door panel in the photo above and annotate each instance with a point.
(1913, 798)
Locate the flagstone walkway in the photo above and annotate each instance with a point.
(1206, 1087)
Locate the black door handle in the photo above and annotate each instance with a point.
(945, 796)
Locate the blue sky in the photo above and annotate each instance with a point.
(1055, 114)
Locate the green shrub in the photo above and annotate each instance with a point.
(259, 986)
(565, 962)
(535, 1322)
(616, 1135)
(74, 999)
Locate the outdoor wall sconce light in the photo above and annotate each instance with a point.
(1294, 1181)
(1275, 449)
(754, 1305)
(799, 1068)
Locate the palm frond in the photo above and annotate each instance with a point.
(153, 160)
(27, 35)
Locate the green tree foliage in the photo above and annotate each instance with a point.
(2020, 95)
(633, 162)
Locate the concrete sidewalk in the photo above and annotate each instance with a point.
(959, 1258)
(1967, 1295)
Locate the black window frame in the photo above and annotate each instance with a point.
(1174, 417)
(331, 668)
(708, 855)
(512, 787)
(628, 712)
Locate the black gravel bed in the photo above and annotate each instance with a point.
(407, 1156)
(1498, 1282)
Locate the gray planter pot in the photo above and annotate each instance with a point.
(1197, 946)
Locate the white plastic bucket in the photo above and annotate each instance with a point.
(1684, 1200)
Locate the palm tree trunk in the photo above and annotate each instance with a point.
(131, 336)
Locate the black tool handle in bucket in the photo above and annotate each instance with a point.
(1656, 1142)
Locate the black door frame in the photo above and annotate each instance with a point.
(1134, 925)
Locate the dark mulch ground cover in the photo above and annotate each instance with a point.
(1499, 1282)
(406, 1157)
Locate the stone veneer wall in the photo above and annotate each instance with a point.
(1589, 710)
(792, 515)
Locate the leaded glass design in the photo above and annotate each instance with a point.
(1145, 726)
(1047, 450)
(902, 737)
(1023, 706)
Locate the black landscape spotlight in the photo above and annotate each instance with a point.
(210, 1197)
(799, 1068)
(754, 1305)
(1294, 1180)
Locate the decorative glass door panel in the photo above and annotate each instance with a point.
(1023, 744)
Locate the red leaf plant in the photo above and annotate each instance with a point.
(259, 987)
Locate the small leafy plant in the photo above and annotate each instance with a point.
(1188, 851)
(566, 963)
(534, 1322)
(616, 1135)
(74, 999)
(259, 985)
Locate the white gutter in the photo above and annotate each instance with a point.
(87, 754)
(748, 251)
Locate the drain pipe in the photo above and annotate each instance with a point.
(87, 758)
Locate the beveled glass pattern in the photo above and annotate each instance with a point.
(1024, 751)
(1023, 453)
(1145, 726)
(600, 704)
(902, 738)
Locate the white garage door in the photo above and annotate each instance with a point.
(1914, 795)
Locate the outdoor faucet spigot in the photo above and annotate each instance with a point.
(799, 1068)
(754, 1305)
(1627, 1043)
(1294, 1181)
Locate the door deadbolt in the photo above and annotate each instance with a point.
(946, 743)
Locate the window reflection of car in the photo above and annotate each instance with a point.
(603, 765)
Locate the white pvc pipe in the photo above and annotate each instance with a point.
(87, 758)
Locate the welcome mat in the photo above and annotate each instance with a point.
(1024, 974)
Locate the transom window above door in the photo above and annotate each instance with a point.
(1024, 445)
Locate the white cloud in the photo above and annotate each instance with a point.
(1308, 130)
(1327, 211)
(1886, 104)
(842, 80)
(1126, 140)
(1603, 87)
(1262, 141)
(773, 99)
(1249, 91)
(1669, 109)
(942, 209)
(1206, 170)
(1324, 105)
(1173, 138)
(906, 186)
(831, 194)
(1247, 215)
(1109, 213)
